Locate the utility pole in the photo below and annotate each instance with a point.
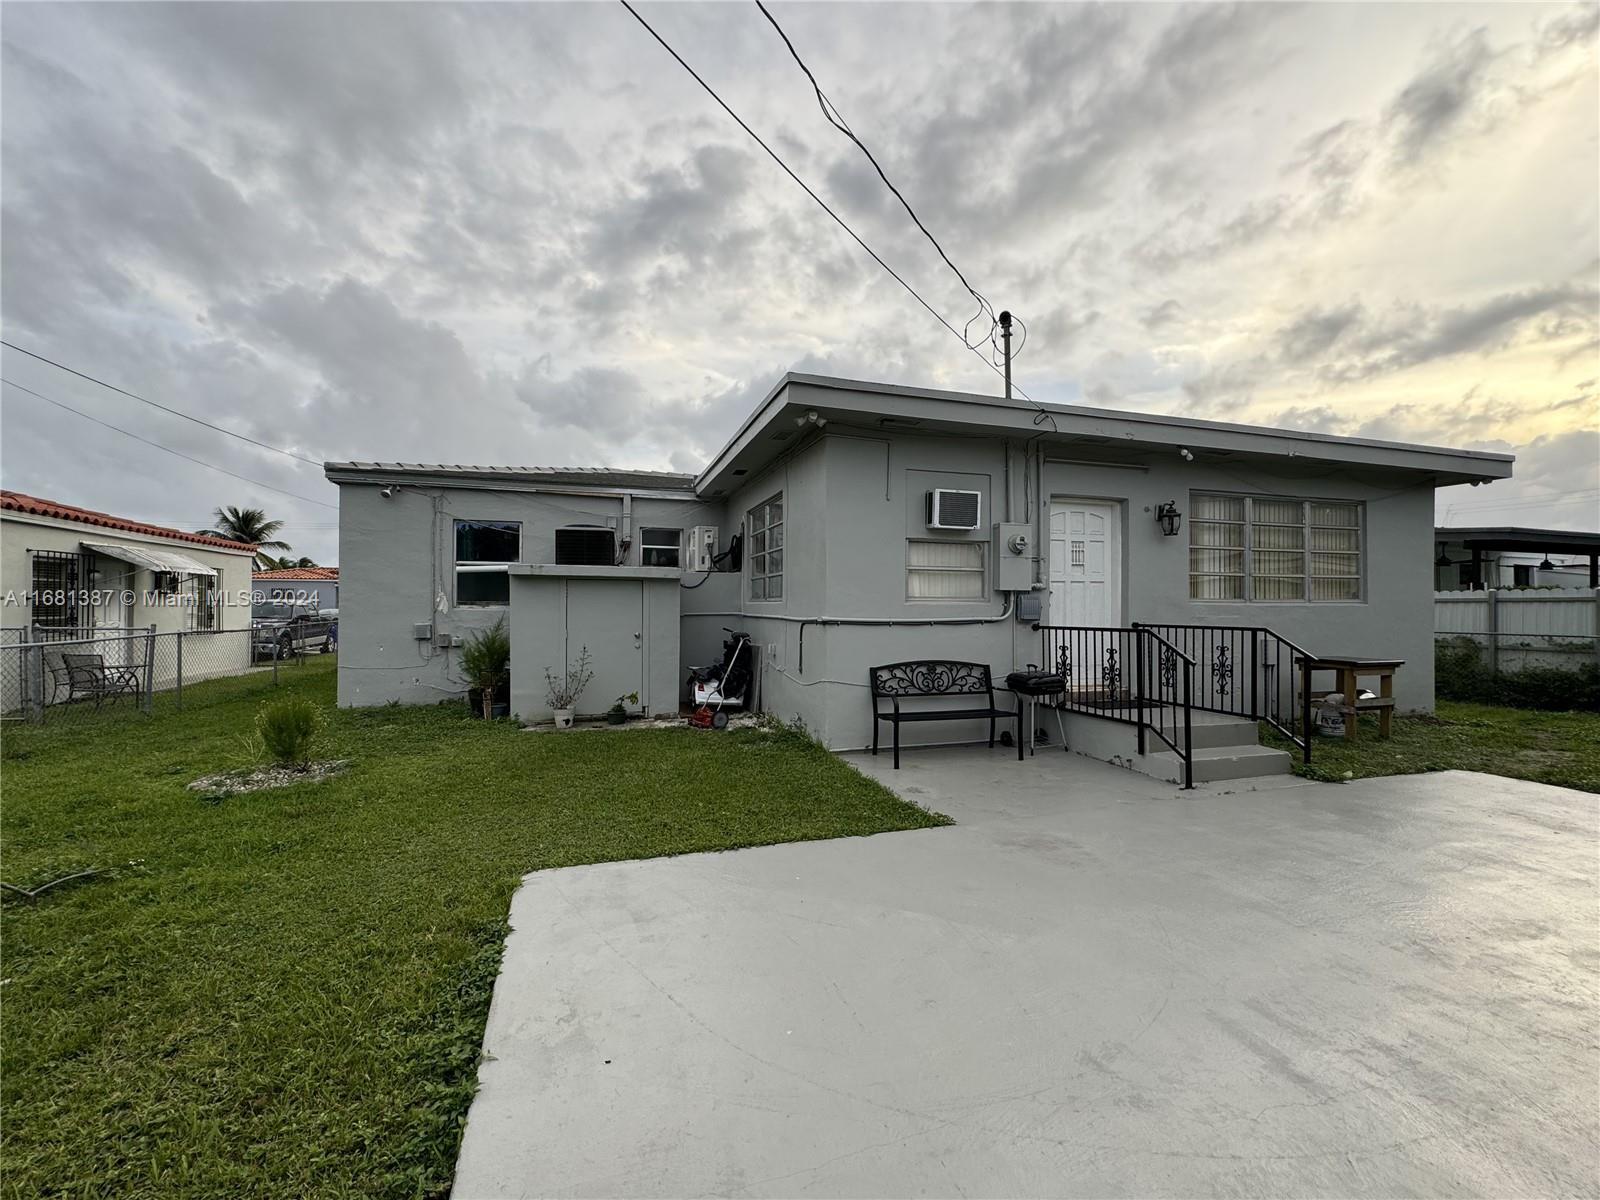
(1005, 337)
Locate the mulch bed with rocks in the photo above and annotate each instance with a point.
(237, 783)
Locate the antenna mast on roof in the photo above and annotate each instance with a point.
(1005, 336)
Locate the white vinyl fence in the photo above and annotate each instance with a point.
(1524, 628)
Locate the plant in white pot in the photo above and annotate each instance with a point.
(562, 691)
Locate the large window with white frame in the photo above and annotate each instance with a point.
(945, 570)
(485, 551)
(764, 527)
(1274, 550)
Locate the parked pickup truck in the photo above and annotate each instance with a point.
(282, 630)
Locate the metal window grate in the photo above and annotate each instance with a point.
(58, 580)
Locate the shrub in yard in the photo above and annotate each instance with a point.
(1550, 688)
(287, 728)
(1460, 673)
(486, 661)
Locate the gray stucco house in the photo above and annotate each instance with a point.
(876, 523)
(302, 587)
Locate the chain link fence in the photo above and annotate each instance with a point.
(1521, 651)
(86, 676)
(1522, 670)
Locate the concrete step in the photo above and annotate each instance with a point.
(1215, 764)
(1210, 730)
(1206, 729)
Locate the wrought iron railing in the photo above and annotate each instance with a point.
(1247, 671)
(1133, 675)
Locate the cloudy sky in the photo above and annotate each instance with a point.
(522, 234)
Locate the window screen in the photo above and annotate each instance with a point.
(940, 570)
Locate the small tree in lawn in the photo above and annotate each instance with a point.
(286, 728)
(486, 662)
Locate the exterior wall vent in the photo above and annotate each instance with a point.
(586, 546)
(948, 509)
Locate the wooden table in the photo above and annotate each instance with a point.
(1348, 672)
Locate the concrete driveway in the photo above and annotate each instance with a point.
(1094, 985)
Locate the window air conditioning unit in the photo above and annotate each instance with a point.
(949, 509)
(586, 546)
(703, 548)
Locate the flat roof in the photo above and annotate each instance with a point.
(609, 478)
(899, 407)
(1518, 537)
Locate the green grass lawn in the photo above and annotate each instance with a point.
(283, 993)
(1548, 747)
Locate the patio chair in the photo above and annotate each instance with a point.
(87, 677)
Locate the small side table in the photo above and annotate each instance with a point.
(1349, 672)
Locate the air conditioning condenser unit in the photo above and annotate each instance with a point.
(950, 509)
(703, 548)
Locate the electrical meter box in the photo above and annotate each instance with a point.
(1014, 553)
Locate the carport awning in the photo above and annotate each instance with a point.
(150, 558)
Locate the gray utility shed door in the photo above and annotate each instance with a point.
(608, 618)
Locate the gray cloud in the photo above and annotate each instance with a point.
(1369, 346)
(1313, 333)
(1165, 313)
(1465, 88)
(521, 233)
(1434, 103)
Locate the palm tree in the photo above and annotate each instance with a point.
(249, 525)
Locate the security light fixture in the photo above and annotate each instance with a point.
(1547, 565)
(1170, 519)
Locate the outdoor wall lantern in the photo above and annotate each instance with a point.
(1169, 518)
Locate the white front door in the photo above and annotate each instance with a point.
(111, 616)
(1085, 563)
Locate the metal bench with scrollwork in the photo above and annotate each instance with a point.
(931, 679)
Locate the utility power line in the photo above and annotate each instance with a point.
(175, 412)
(180, 454)
(1555, 501)
(836, 119)
(822, 204)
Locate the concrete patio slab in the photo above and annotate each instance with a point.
(1096, 985)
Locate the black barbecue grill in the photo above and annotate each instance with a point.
(1032, 686)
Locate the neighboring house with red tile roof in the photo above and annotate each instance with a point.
(65, 567)
(307, 587)
(36, 506)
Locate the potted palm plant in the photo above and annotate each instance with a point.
(562, 691)
(486, 662)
